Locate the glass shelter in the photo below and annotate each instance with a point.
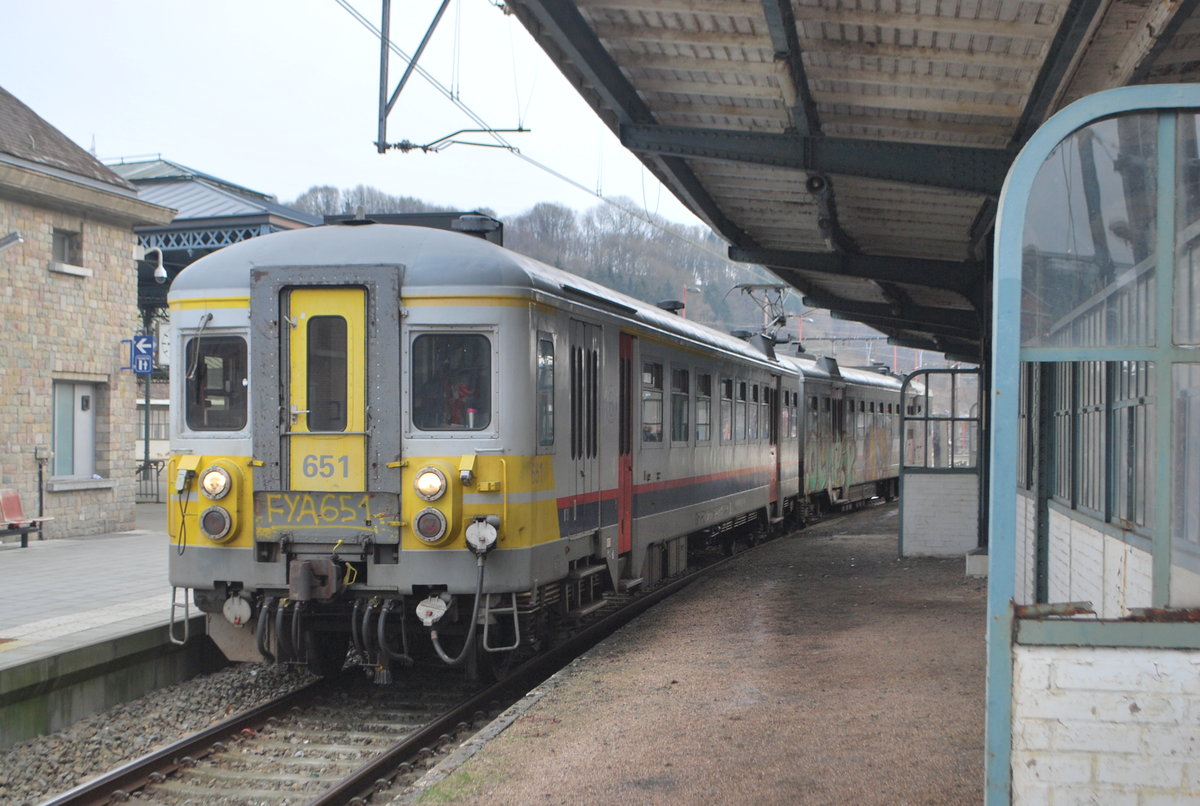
(1094, 587)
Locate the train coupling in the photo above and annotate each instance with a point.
(313, 579)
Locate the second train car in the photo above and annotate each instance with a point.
(412, 442)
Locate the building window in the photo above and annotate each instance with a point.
(679, 405)
(68, 247)
(159, 422)
(74, 429)
(703, 408)
(652, 402)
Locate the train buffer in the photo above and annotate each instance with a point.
(13, 520)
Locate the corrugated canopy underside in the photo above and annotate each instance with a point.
(856, 147)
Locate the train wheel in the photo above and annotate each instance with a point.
(325, 652)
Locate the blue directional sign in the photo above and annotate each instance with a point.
(141, 353)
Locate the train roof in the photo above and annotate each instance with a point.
(826, 369)
(431, 259)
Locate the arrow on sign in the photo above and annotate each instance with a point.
(143, 345)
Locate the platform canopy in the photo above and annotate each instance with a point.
(855, 147)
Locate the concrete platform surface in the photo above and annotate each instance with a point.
(818, 669)
(70, 592)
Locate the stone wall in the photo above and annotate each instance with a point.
(67, 326)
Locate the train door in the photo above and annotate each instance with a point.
(324, 433)
(773, 393)
(625, 448)
(584, 366)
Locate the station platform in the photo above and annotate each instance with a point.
(816, 669)
(83, 622)
(63, 593)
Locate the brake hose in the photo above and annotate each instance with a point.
(403, 658)
(470, 640)
(260, 630)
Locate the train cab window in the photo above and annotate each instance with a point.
(726, 410)
(679, 405)
(216, 383)
(739, 412)
(326, 370)
(652, 402)
(451, 382)
(545, 390)
(703, 408)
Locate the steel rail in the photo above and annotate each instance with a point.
(119, 783)
(362, 781)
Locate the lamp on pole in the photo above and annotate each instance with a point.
(160, 277)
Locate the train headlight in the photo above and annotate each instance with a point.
(430, 525)
(215, 482)
(215, 523)
(430, 483)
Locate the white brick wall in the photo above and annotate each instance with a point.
(939, 514)
(1087, 565)
(1026, 561)
(1105, 726)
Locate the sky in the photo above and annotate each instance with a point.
(281, 95)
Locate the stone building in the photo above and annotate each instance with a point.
(68, 296)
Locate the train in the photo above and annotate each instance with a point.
(401, 444)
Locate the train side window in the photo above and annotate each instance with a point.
(452, 382)
(679, 405)
(726, 410)
(739, 412)
(703, 408)
(752, 414)
(216, 383)
(545, 389)
(652, 402)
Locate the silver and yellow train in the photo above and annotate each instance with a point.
(413, 442)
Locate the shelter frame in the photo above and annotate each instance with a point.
(1019, 614)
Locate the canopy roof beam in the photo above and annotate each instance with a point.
(964, 168)
(964, 278)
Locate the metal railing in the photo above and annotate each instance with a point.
(149, 488)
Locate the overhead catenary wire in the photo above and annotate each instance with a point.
(454, 99)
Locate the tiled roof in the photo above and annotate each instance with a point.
(26, 136)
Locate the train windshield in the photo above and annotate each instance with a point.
(451, 382)
(216, 383)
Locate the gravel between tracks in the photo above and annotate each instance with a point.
(820, 669)
(34, 771)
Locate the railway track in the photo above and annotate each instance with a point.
(341, 740)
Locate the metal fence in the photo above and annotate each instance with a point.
(149, 487)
